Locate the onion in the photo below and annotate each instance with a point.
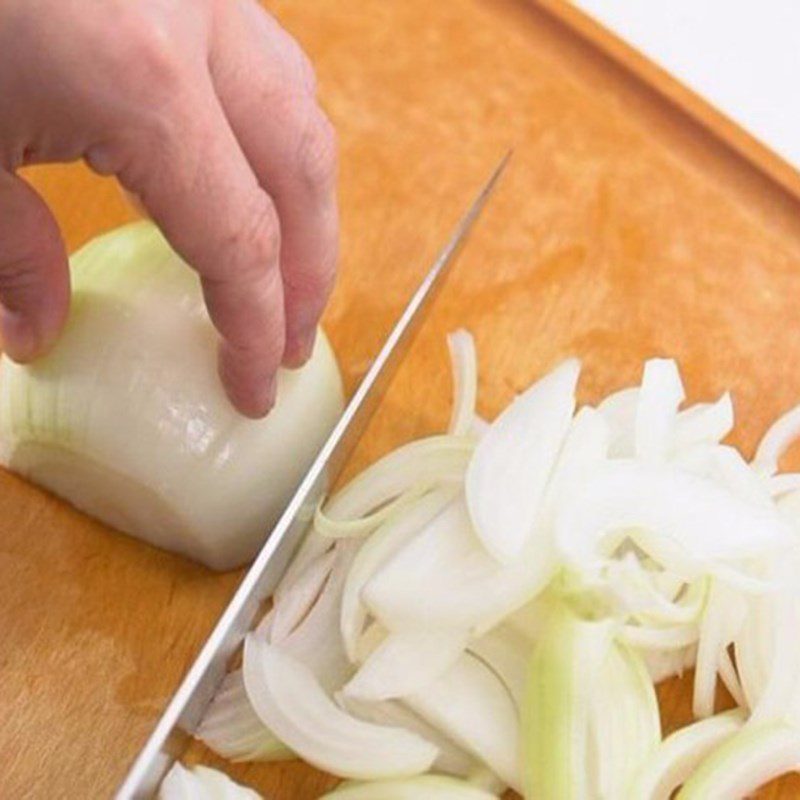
(563, 674)
(508, 474)
(406, 662)
(710, 526)
(624, 724)
(465, 382)
(656, 412)
(674, 760)
(500, 602)
(377, 550)
(289, 700)
(127, 420)
(451, 758)
(201, 783)
(470, 705)
(443, 578)
(233, 730)
(430, 787)
(745, 761)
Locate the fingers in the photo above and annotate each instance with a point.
(195, 182)
(34, 273)
(266, 86)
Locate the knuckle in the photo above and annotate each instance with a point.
(153, 50)
(316, 155)
(307, 293)
(256, 236)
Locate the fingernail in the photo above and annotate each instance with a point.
(263, 401)
(20, 340)
(299, 349)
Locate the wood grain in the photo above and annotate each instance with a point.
(622, 230)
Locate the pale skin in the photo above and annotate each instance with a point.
(205, 110)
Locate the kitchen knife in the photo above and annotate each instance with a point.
(185, 710)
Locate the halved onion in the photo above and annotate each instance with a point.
(184, 471)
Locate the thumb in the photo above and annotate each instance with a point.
(34, 274)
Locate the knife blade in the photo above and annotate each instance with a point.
(190, 701)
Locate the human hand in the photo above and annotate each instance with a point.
(206, 111)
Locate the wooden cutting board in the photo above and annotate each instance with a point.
(622, 230)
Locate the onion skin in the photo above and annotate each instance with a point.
(127, 420)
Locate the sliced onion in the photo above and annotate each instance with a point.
(506, 652)
(317, 641)
(776, 441)
(430, 787)
(414, 465)
(465, 382)
(745, 761)
(232, 729)
(710, 525)
(362, 526)
(624, 723)
(619, 411)
(289, 700)
(311, 548)
(443, 578)
(674, 760)
(672, 637)
(780, 485)
(297, 599)
(508, 475)
(451, 759)
(665, 664)
(375, 552)
(584, 451)
(201, 783)
(470, 705)
(405, 663)
(722, 621)
(704, 423)
(563, 672)
(656, 413)
(772, 683)
(730, 678)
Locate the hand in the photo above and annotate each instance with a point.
(205, 110)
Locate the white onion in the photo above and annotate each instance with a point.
(430, 787)
(289, 700)
(674, 760)
(465, 382)
(508, 474)
(201, 783)
(126, 417)
(657, 410)
(471, 706)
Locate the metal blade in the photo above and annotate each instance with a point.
(187, 706)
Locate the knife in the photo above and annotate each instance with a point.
(186, 709)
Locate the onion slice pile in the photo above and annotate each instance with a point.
(497, 604)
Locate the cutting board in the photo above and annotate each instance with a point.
(622, 230)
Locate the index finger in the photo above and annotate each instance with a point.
(197, 185)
